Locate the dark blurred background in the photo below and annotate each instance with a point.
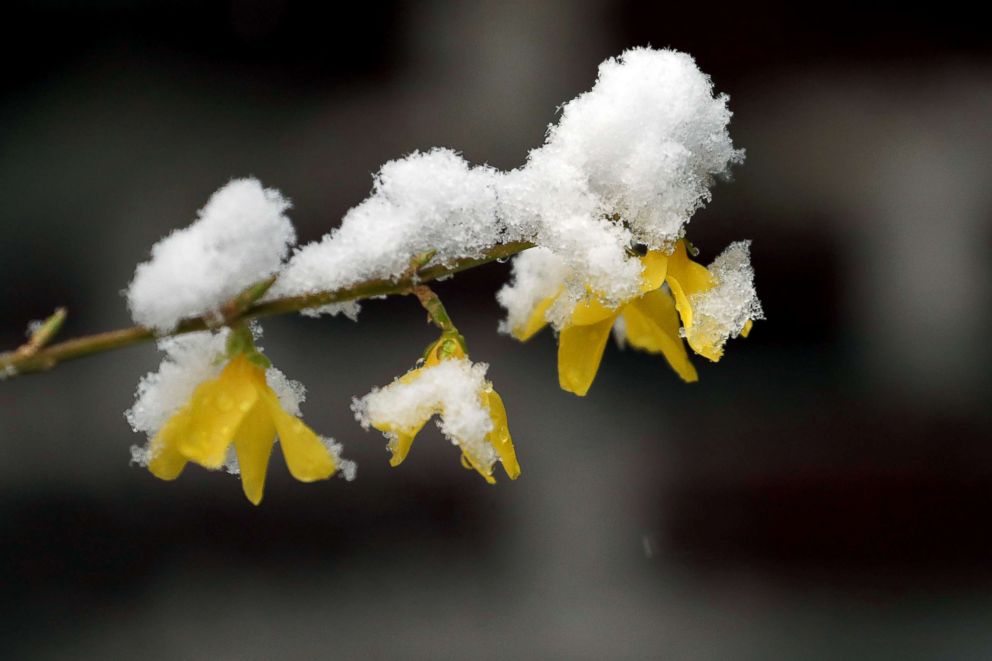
(822, 493)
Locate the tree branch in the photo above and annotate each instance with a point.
(15, 363)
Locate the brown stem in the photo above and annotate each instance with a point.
(13, 363)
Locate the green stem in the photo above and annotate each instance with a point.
(14, 363)
(435, 309)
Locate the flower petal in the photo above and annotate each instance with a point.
(685, 278)
(655, 269)
(253, 442)
(591, 311)
(580, 350)
(499, 437)
(653, 325)
(307, 458)
(218, 407)
(469, 464)
(166, 461)
(400, 440)
(536, 321)
(747, 328)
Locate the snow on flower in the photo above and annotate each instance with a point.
(197, 406)
(713, 304)
(448, 384)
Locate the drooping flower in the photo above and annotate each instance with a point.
(650, 321)
(447, 384)
(238, 407)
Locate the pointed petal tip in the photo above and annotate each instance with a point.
(575, 391)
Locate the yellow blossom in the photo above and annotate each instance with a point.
(401, 435)
(238, 407)
(651, 321)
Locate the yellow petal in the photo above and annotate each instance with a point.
(580, 350)
(685, 278)
(399, 447)
(747, 328)
(412, 375)
(706, 339)
(536, 321)
(306, 456)
(655, 269)
(469, 464)
(218, 407)
(652, 325)
(253, 443)
(400, 440)
(499, 437)
(166, 461)
(591, 311)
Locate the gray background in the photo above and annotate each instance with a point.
(821, 493)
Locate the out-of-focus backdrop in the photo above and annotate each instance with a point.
(822, 493)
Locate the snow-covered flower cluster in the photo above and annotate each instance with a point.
(677, 298)
(471, 413)
(218, 404)
(603, 202)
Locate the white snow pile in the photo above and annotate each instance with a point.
(537, 274)
(722, 312)
(240, 237)
(452, 388)
(645, 142)
(628, 162)
(433, 201)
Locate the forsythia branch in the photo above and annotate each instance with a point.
(35, 357)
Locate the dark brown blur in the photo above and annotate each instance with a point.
(821, 493)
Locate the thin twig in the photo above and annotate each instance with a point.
(45, 358)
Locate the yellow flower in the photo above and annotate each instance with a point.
(651, 321)
(401, 434)
(238, 407)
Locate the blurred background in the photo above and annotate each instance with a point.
(822, 493)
